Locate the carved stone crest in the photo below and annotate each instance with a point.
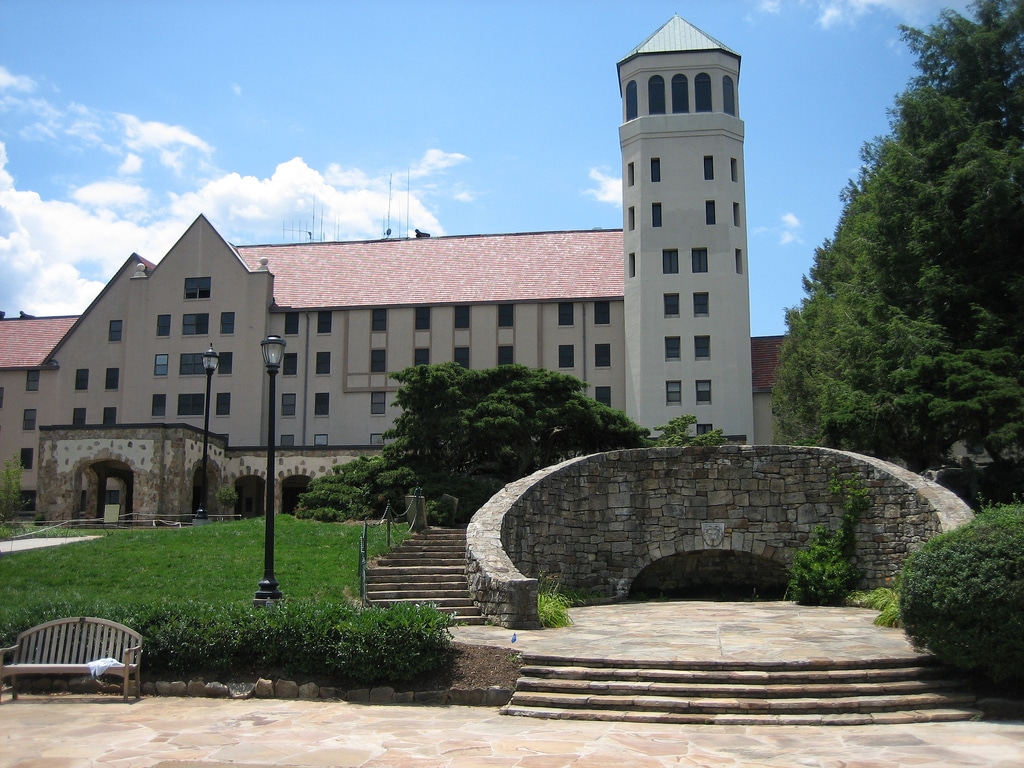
(713, 534)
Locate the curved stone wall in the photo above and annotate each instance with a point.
(595, 522)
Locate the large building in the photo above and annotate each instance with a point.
(106, 410)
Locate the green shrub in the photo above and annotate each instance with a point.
(962, 595)
(822, 574)
(395, 644)
(885, 600)
(553, 609)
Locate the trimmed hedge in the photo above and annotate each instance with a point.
(962, 595)
(376, 645)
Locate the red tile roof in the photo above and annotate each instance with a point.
(25, 342)
(437, 270)
(764, 359)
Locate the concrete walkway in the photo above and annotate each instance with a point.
(9, 546)
(78, 731)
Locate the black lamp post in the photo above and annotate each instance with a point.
(210, 360)
(273, 351)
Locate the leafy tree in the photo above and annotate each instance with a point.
(677, 433)
(911, 336)
(10, 488)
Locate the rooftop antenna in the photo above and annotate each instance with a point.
(408, 184)
(387, 230)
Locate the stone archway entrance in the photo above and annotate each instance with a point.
(712, 574)
(252, 492)
(291, 488)
(107, 491)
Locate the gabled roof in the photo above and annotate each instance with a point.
(539, 266)
(678, 35)
(26, 342)
(764, 360)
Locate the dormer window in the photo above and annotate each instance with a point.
(197, 287)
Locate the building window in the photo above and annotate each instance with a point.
(631, 101)
(565, 313)
(323, 362)
(197, 287)
(78, 417)
(160, 365)
(291, 323)
(190, 364)
(506, 315)
(680, 94)
(709, 212)
(631, 218)
(603, 355)
(195, 324)
(324, 321)
(225, 364)
(462, 356)
(1, 397)
(462, 317)
(322, 404)
(671, 305)
(191, 404)
(320, 439)
(506, 354)
(728, 96)
(739, 261)
(735, 214)
(655, 169)
(709, 168)
(379, 320)
(632, 265)
(704, 392)
(422, 318)
(566, 355)
(700, 305)
(377, 402)
(28, 419)
(673, 393)
(421, 356)
(702, 92)
(82, 379)
(699, 259)
(656, 95)
(287, 441)
(378, 360)
(603, 395)
(672, 348)
(227, 323)
(602, 313)
(630, 175)
(655, 214)
(113, 378)
(27, 455)
(703, 429)
(733, 169)
(163, 325)
(110, 416)
(701, 347)
(288, 404)
(159, 406)
(223, 404)
(31, 381)
(114, 330)
(376, 438)
(670, 261)
(290, 364)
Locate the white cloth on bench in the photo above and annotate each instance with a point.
(100, 666)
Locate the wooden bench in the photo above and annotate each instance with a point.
(66, 646)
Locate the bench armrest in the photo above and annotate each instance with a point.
(131, 655)
(5, 651)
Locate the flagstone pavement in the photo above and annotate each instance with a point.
(167, 732)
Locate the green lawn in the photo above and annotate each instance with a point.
(217, 564)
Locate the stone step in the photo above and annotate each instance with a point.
(440, 602)
(419, 570)
(420, 562)
(939, 715)
(829, 666)
(745, 705)
(703, 689)
(388, 577)
(420, 595)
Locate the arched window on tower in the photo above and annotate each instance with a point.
(631, 110)
(680, 94)
(728, 96)
(656, 95)
(702, 92)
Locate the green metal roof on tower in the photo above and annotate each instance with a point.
(675, 35)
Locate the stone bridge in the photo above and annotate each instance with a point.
(684, 520)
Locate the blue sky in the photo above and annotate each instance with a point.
(120, 122)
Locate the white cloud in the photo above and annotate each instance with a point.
(15, 82)
(790, 230)
(609, 188)
(236, 89)
(131, 165)
(170, 141)
(111, 195)
(435, 160)
(833, 12)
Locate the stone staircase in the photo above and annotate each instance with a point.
(430, 567)
(756, 693)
